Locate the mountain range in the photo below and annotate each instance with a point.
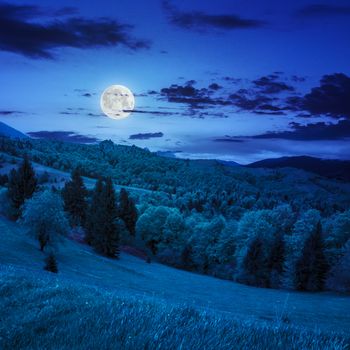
(331, 168)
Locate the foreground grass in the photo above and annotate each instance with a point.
(41, 311)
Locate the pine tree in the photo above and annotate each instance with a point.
(94, 216)
(276, 261)
(21, 186)
(105, 235)
(51, 263)
(128, 211)
(111, 246)
(254, 265)
(311, 268)
(186, 257)
(74, 195)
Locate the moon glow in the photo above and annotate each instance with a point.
(117, 102)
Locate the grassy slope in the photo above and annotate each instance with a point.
(44, 312)
(131, 276)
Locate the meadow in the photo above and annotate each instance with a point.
(95, 302)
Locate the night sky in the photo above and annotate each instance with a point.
(236, 80)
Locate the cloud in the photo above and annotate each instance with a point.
(25, 30)
(232, 79)
(241, 100)
(200, 21)
(139, 111)
(214, 86)
(229, 139)
(257, 103)
(30, 11)
(7, 113)
(146, 136)
(69, 113)
(270, 85)
(323, 10)
(266, 95)
(316, 131)
(332, 97)
(192, 96)
(298, 79)
(66, 136)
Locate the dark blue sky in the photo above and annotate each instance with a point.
(241, 80)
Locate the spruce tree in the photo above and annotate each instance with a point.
(21, 186)
(105, 235)
(186, 258)
(128, 211)
(74, 195)
(276, 261)
(94, 216)
(311, 268)
(51, 263)
(111, 235)
(254, 265)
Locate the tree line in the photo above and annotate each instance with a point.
(50, 214)
(275, 248)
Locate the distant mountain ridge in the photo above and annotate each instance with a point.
(10, 132)
(332, 168)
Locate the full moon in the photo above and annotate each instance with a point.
(117, 102)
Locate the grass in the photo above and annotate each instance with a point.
(97, 303)
(41, 311)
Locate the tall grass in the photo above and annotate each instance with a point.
(44, 312)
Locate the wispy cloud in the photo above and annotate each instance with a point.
(315, 131)
(67, 136)
(146, 136)
(323, 10)
(25, 30)
(201, 21)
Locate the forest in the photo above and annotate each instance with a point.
(272, 228)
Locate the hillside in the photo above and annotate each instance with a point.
(201, 215)
(204, 181)
(128, 303)
(7, 131)
(131, 276)
(331, 168)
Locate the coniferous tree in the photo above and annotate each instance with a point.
(128, 211)
(339, 276)
(254, 265)
(111, 234)
(186, 257)
(311, 268)
(4, 179)
(276, 261)
(105, 235)
(51, 263)
(94, 215)
(21, 186)
(74, 195)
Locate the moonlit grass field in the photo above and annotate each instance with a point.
(99, 303)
